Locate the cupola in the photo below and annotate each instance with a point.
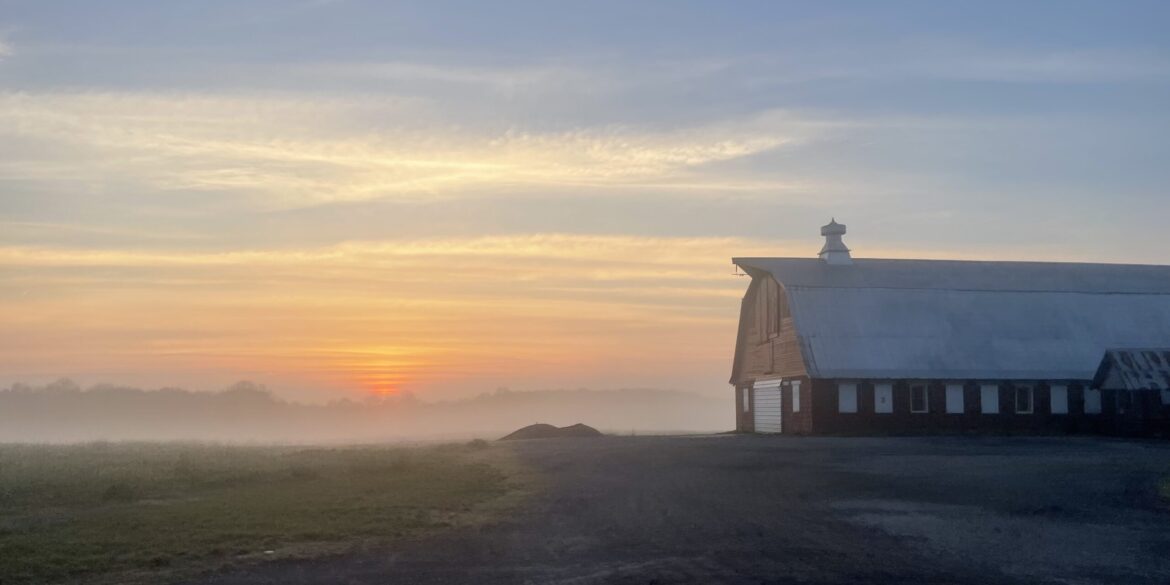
(834, 252)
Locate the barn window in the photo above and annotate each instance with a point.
(796, 396)
(1092, 401)
(919, 401)
(1058, 399)
(778, 309)
(1023, 400)
(746, 398)
(989, 398)
(782, 311)
(770, 309)
(883, 398)
(847, 398)
(763, 310)
(955, 398)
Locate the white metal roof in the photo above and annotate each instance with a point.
(945, 319)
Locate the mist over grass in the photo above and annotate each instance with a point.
(63, 412)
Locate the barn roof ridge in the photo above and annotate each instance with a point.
(739, 259)
(966, 275)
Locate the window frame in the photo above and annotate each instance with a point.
(770, 317)
(842, 387)
(1053, 391)
(782, 310)
(983, 402)
(925, 398)
(773, 324)
(795, 395)
(1031, 391)
(962, 398)
(764, 310)
(887, 389)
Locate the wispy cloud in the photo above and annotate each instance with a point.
(282, 151)
(503, 79)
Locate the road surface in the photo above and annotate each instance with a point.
(756, 509)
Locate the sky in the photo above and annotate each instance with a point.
(338, 198)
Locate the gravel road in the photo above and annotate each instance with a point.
(755, 509)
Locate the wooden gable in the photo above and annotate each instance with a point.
(766, 345)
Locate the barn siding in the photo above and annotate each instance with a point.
(791, 422)
(757, 355)
(744, 419)
(824, 417)
(800, 423)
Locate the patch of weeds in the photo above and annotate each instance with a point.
(216, 505)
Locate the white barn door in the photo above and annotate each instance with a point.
(768, 407)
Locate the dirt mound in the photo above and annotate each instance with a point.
(543, 431)
(578, 430)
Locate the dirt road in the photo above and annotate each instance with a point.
(750, 509)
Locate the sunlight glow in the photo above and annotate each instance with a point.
(378, 316)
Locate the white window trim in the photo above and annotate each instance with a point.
(796, 396)
(1031, 398)
(889, 389)
(962, 398)
(1052, 393)
(843, 390)
(925, 398)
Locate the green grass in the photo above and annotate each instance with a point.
(125, 512)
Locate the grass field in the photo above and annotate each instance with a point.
(139, 512)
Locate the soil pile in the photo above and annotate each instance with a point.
(543, 431)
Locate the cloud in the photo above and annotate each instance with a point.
(5, 48)
(280, 151)
(501, 79)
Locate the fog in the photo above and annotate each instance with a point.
(247, 412)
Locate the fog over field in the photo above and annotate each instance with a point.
(247, 412)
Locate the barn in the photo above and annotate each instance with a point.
(837, 345)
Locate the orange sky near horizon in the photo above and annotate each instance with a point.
(445, 318)
(442, 317)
